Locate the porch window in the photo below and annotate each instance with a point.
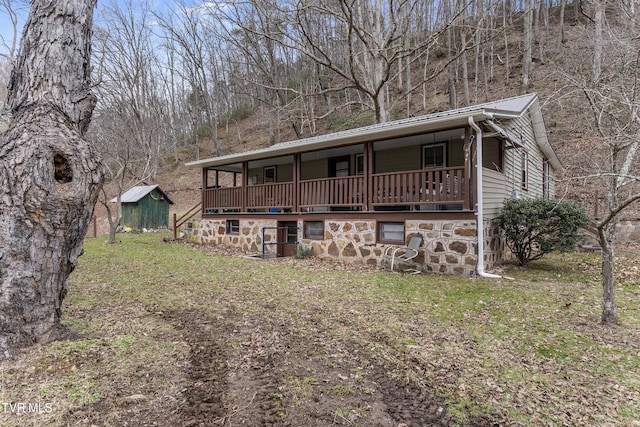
(434, 156)
(233, 226)
(269, 174)
(524, 167)
(314, 230)
(391, 232)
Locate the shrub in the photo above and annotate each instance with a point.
(534, 227)
(304, 252)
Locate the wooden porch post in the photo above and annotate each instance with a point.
(245, 182)
(368, 179)
(297, 169)
(205, 175)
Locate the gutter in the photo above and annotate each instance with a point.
(480, 209)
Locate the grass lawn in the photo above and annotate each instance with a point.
(170, 334)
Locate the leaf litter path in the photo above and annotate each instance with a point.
(257, 371)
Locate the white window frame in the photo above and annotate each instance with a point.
(398, 234)
(524, 169)
(546, 179)
(232, 226)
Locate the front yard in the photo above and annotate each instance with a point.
(170, 334)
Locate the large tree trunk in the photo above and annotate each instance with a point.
(50, 174)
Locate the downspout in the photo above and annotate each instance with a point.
(480, 209)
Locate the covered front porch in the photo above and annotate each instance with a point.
(426, 172)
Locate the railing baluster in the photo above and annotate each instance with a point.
(433, 186)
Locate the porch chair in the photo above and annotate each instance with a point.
(398, 254)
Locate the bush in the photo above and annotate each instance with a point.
(534, 227)
(304, 252)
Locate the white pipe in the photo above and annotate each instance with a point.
(480, 204)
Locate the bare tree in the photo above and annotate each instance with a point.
(187, 31)
(527, 43)
(129, 128)
(12, 8)
(610, 82)
(51, 175)
(361, 43)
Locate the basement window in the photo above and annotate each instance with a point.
(314, 230)
(391, 232)
(233, 226)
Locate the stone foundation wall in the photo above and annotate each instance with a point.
(494, 245)
(249, 238)
(449, 246)
(629, 231)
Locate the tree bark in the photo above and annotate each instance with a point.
(51, 175)
(526, 44)
(609, 310)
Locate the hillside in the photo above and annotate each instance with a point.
(567, 117)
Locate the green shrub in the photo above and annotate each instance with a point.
(534, 227)
(304, 252)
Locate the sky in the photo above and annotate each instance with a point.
(6, 27)
(22, 9)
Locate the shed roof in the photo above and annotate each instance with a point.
(135, 194)
(508, 108)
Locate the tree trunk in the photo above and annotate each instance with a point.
(599, 17)
(51, 175)
(526, 44)
(609, 310)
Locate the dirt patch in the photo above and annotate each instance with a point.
(257, 371)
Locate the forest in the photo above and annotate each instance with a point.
(177, 76)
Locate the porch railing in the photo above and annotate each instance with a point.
(446, 186)
(229, 198)
(413, 189)
(266, 196)
(343, 191)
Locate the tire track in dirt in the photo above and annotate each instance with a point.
(207, 372)
(233, 372)
(266, 372)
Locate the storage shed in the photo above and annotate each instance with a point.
(145, 206)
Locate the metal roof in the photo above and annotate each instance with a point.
(508, 108)
(135, 194)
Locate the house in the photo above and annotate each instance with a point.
(349, 194)
(145, 206)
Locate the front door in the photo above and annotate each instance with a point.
(288, 238)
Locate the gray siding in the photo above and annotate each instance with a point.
(495, 191)
(523, 127)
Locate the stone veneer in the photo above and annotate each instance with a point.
(249, 238)
(449, 246)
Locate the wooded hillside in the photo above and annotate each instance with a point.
(201, 80)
